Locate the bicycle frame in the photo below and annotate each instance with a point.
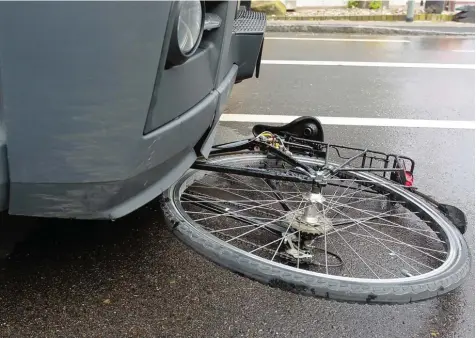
(393, 166)
(304, 137)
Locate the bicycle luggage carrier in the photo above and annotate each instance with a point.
(397, 168)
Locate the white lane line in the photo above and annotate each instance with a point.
(370, 64)
(353, 121)
(335, 39)
(463, 51)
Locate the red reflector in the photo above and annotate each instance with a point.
(408, 179)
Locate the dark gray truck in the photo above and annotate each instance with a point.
(105, 104)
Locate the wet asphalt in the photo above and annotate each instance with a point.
(132, 278)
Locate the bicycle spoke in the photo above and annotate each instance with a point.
(399, 216)
(386, 247)
(362, 199)
(325, 246)
(396, 226)
(264, 224)
(246, 209)
(248, 199)
(381, 267)
(286, 232)
(237, 202)
(272, 242)
(363, 261)
(366, 238)
(214, 213)
(396, 241)
(343, 194)
(249, 185)
(334, 248)
(204, 185)
(357, 223)
(378, 216)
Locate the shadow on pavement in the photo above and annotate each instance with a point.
(46, 263)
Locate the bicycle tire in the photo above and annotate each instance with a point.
(290, 279)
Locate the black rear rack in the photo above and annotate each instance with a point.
(394, 167)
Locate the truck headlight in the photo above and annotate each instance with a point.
(187, 30)
(189, 26)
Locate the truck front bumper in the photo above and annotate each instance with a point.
(167, 153)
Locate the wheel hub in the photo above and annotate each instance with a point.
(312, 220)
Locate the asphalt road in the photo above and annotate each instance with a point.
(133, 278)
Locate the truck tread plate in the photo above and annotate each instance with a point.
(249, 22)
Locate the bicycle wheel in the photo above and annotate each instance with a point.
(361, 239)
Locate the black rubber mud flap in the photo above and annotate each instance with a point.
(452, 213)
(258, 62)
(248, 39)
(455, 215)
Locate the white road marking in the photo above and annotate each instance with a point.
(370, 64)
(335, 39)
(463, 50)
(353, 121)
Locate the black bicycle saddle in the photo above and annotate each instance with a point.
(307, 127)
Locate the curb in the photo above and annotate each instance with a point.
(325, 28)
(387, 17)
